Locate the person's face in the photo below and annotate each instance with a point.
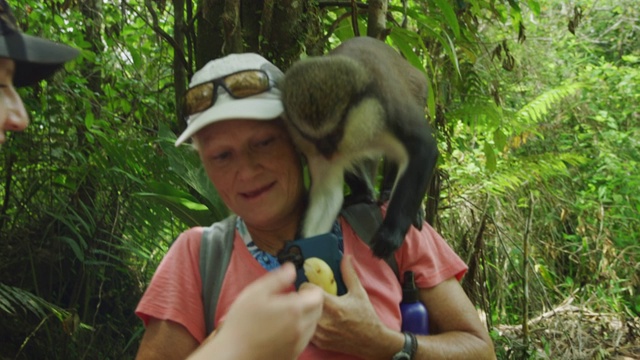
(13, 116)
(255, 168)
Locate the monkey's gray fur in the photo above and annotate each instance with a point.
(358, 103)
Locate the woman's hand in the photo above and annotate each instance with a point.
(349, 323)
(265, 322)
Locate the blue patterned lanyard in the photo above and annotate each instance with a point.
(267, 260)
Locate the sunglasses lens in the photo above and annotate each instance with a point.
(199, 98)
(246, 83)
(239, 85)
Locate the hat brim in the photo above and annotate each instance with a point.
(36, 58)
(253, 108)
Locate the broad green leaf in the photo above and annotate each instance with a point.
(73, 245)
(5, 305)
(191, 217)
(545, 274)
(490, 156)
(89, 119)
(499, 139)
(431, 100)
(344, 30)
(534, 5)
(408, 43)
(181, 197)
(186, 164)
(413, 38)
(449, 16)
(59, 20)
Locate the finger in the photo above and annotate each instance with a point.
(350, 276)
(311, 298)
(313, 293)
(306, 286)
(277, 280)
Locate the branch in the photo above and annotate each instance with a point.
(334, 25)
(346, 3)
(190, 33)
(232, 29)
(177, 50)
(525, 273)
(354, 18)
(10, 159)
(376, 22)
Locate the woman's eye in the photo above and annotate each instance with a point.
(266, 142)
(221, 157)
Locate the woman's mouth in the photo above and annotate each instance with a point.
(256, 193)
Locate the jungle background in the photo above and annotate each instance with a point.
(535, 106)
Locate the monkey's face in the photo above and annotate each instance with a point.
(317, 95)
(328, 145)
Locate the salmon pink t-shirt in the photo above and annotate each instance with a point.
(175, 291)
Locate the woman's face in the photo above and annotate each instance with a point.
(255, 168)
(13, 116)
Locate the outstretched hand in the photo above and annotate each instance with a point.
(265, 322)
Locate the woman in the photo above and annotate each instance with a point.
(234, 120)
(24, 60)
(265, 322)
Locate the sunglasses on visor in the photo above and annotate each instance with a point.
(239, 85)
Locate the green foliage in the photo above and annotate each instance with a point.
(534, 103)
(538, 109)
(567, 133)
(75, 237)
(13, 299)
(207, 208)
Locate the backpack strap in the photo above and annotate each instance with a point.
(215, 253)
(365, 218)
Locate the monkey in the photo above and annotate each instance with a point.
(360, 102)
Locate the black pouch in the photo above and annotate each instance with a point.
(323, 246)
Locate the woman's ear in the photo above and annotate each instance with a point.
(195, 144)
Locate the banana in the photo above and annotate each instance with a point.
(319, 273)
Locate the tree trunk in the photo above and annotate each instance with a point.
(209, 35)
(92, 13)
(85, 196)
(179, 71)
(276, 29)
(377, 19)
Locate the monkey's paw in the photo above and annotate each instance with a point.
(417, 222)
(386, 241)
(353, 199)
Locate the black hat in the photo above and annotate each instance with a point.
(36, 58)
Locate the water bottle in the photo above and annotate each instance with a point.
(415, 318)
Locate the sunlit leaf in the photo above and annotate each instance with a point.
(490, 156)
(449, 15)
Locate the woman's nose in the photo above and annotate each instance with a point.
(249, 164)
(15, 115)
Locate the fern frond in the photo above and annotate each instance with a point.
(530, 169)
(538, 108)
(13, 298)
(479, 112)
(471, 85)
